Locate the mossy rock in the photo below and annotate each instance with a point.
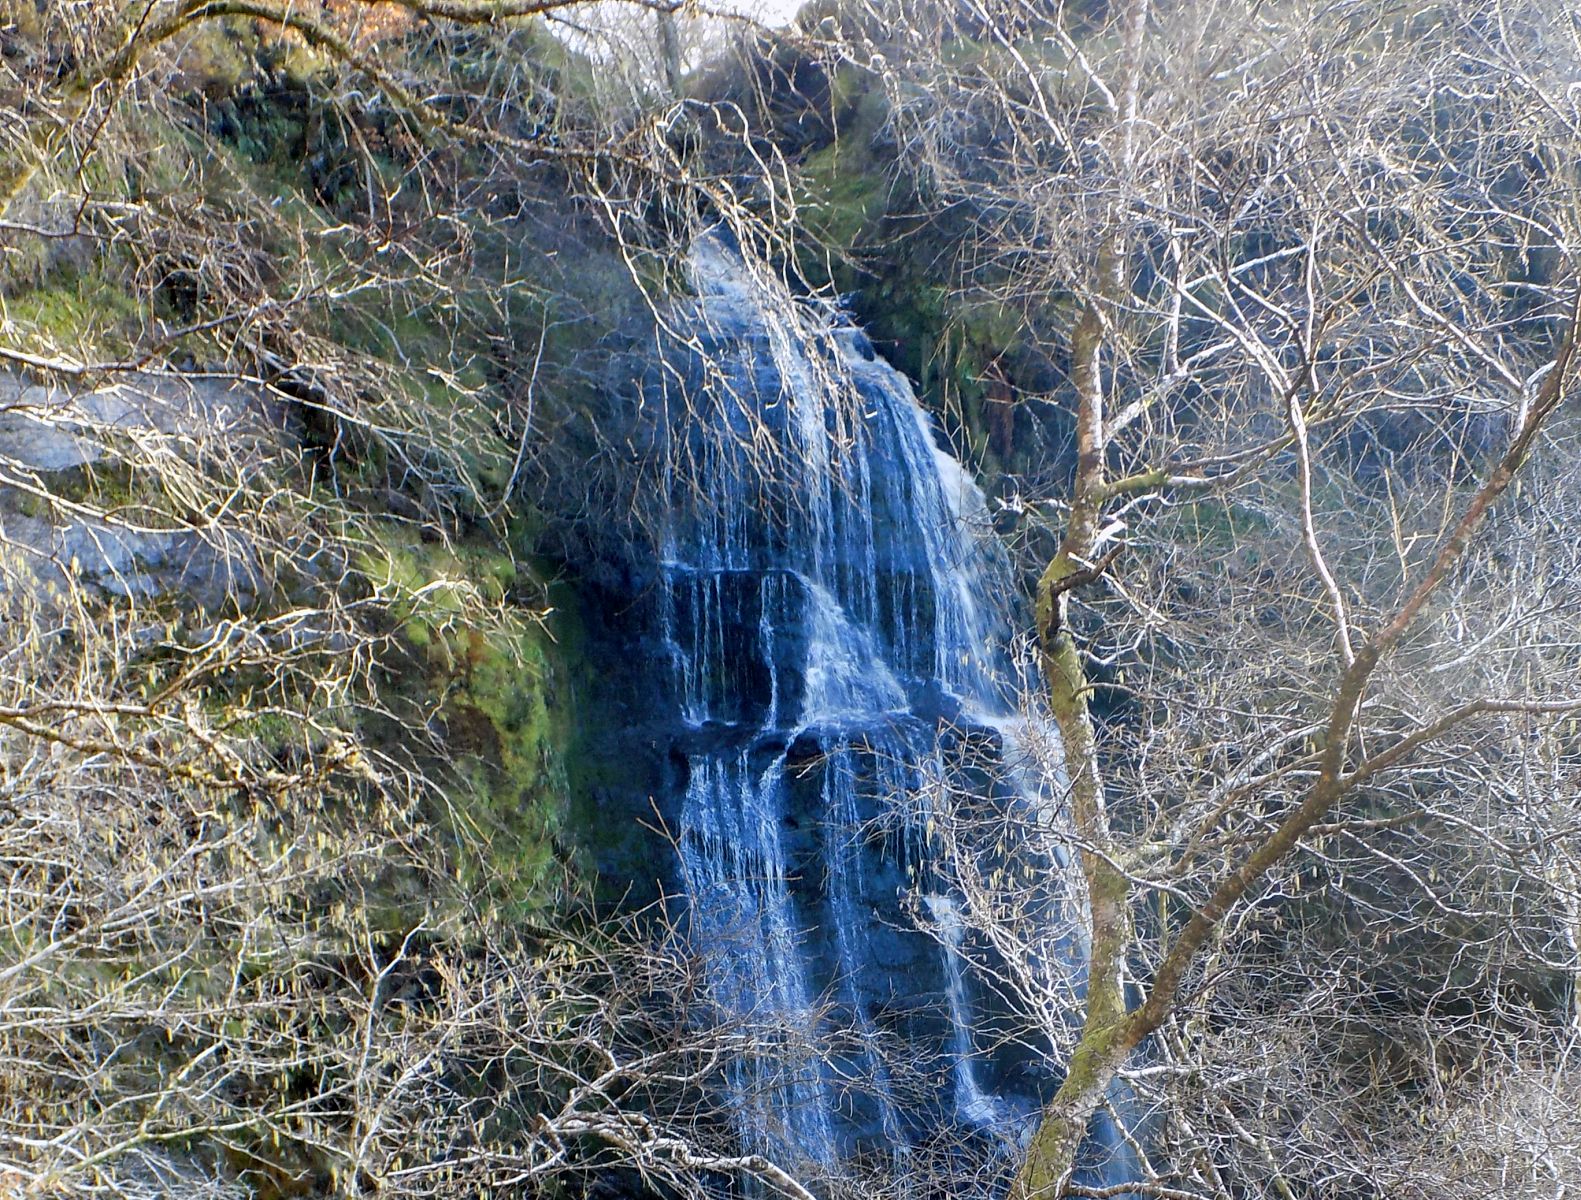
(486, 677)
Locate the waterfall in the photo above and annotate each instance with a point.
(832, 613)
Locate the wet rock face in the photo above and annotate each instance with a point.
(821, 640)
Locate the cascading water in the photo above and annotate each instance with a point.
(827, 609)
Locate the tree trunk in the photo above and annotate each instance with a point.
(1107, 1034)
(1051, 1158)
(670, 54)
(1104, 1041)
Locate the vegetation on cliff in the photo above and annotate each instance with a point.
(291, 907)
(319, 325)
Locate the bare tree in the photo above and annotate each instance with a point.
(1308, 276)
(1307, 273)
(251, 927)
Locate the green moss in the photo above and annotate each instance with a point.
(109, 486)
(78, 309)
(845, 188)
(435, 586)
(215, 57)
(489, 681)
(505, 729)
(840, 200)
